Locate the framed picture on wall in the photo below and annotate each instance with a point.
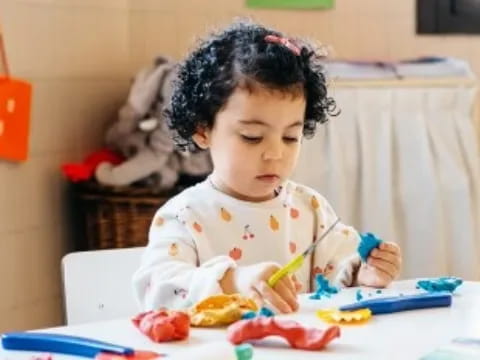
(291, 4)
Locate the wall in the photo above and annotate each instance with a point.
(76, 55)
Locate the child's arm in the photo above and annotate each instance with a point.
(170, 274)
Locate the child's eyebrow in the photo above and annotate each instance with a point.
(259, 122)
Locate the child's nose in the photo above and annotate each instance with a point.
(274, 151)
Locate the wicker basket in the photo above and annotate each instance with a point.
(117, 218)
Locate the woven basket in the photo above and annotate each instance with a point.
(117, 217)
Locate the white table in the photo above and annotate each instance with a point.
(403, 335)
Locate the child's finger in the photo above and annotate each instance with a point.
(288, 281)
(272, 297)
(298, 284)
(390, 247)
(286, 293)
(383, 279)
(393, 259)
(385, 266)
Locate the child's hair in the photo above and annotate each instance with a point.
(240, 55)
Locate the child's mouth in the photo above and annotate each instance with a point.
(268, 178)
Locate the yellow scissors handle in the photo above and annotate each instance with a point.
(290, 268)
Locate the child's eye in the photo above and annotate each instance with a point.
(289, 139)
(252, 139)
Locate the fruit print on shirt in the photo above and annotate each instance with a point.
(247, 233)
(235, 253)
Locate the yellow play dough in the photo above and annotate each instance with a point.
(220, 310)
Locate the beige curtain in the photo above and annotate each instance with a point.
(402, 161)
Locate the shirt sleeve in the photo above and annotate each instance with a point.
(336, 255)
(170, 275)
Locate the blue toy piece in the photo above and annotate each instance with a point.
(323, 288)
(368, 242)
(244, 351)
(446, 283)
(358, 295)
(392, 304)
(249, 315)
(264, 311)
(62, 344)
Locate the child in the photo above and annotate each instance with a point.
(250, 95)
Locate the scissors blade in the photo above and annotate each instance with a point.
(317, 241)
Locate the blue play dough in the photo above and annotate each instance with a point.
(249, 315)
(367, 244)
(324, 289)
(446, 283)
(264, 311)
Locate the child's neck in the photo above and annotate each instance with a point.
(219, 185)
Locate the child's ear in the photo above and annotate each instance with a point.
(202, 138)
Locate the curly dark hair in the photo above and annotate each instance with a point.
(239, 54)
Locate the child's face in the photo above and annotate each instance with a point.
(255, 142)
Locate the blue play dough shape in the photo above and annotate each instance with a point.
(264, 311)
(324, 289)
(249, 315)
(446, 283)
(368, 242)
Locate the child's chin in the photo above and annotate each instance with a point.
(263, 195)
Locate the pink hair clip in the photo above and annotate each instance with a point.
(284, 41)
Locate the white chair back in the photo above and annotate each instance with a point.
(97, 284)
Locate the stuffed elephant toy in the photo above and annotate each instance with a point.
(142, 136)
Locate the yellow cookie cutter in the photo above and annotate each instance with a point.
(333, 316)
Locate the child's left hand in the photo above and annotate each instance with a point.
(382, 266)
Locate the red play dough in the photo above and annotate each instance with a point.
(297, 335)
(162, 325)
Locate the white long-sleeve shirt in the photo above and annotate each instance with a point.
(202, 232)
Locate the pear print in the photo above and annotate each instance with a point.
(197, 227)
(225, 215)
(293, 247)
(173, 249)
(274, 225)
(235, 253)
(314, 202)
(159, 221)
(294, 213)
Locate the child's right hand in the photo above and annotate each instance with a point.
(251, 281)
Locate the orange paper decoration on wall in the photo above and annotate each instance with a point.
(15, 103)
